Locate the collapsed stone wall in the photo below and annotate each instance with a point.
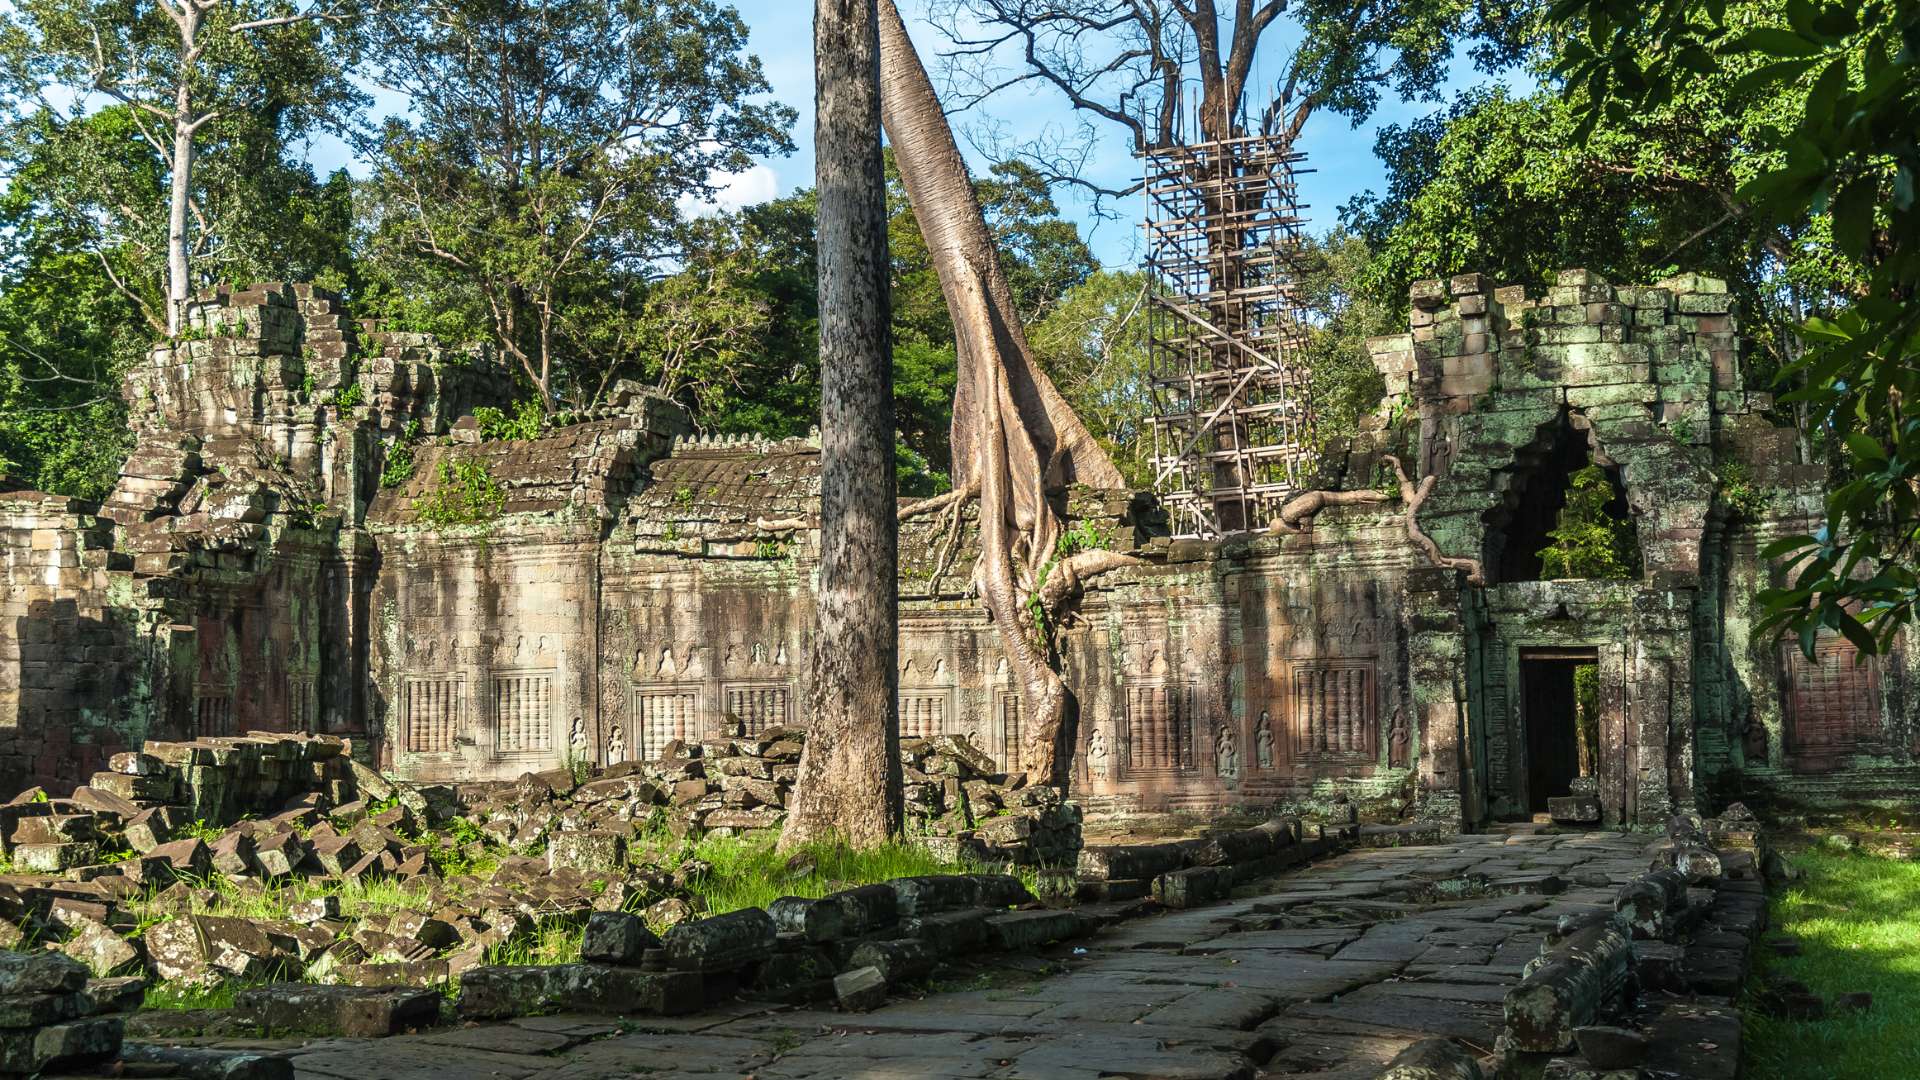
(281, 554)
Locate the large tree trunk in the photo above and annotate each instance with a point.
(1015, 438)
(849, 781)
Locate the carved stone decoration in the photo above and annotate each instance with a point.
(1226, 753)
(1099, 755)
(1398, 738)
(616, 745)
(577, 739)
(1263, 741)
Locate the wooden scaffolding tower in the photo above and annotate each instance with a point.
(1234, 423)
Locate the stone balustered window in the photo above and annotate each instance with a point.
(923, 713)
(523, 711)
(435, 708)
(1159, 727)
(1007, 714)
(760, 706)
(663, 713)
(213, 715)
(1332, 711)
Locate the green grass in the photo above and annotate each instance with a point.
(1858, 921)
(169, 995)
(747, 872)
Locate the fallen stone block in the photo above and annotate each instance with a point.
(897, 961)
(941, 892)
(850, 913)
(1130, 861)
(1574, 985)
(101, 950)
(56, 829)
(40, 973)
(55, 858)
(1608, 1047)
(1194, 886)
(860, 990)
(69, 1045)
(353, 1011)
(499, 991)
(721, 943)
(1017, 930)
(599, 852)
(122, 994)
(949, 932)
(615, 937)
(188, 858)
(1646, 900)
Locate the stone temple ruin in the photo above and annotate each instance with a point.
(268, 562)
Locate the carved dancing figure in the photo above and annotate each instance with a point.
(1226, 756)
(1263, 741)
(1099, 759)
(616, 746)
(1397, 738)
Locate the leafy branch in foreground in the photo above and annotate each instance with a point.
(1850, 152)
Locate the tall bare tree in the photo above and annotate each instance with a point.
(1167, 71)
(849, 783)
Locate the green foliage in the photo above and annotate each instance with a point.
(525, 422)
(1856, 918)
(1082, 535)
(531, 193)
(202, 830)
(398, 468)
(465, 494)
(348, 397)
(1587, 541)
(1093, 344)
(1840, 152)
(1342, 316)
(1737, 489)
(915, 476)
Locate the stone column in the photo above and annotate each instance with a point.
(1437, 664)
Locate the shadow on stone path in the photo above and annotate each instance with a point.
(1327, 973)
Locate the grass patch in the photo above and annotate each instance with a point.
(1858, 921)
(748, 872)
(171, 995)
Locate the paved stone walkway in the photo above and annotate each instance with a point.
(1326, 974)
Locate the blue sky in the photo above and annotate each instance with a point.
(1340, 155)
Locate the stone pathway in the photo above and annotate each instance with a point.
(1329, 972)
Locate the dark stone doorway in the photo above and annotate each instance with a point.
(1561, 742)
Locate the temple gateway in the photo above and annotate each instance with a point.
(314, 535)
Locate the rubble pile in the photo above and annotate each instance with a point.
(227, 858)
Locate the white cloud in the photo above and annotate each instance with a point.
(735, 191)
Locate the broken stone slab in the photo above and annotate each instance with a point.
(73, 1044)
(940, 892)
(40, 973)
(1432, 1059)
(208, 1063)
(55, 858)
(600, 852)
(352, 1011)
(101, 950)
(1018, 930)
(860, 990)
(57, 829)
(722, 942)
(152, 827)
(616, 937)
(39, 1010)
(232, 854)
(1193, 886)
(497, 991)
(1130, 861)
(188, 858)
